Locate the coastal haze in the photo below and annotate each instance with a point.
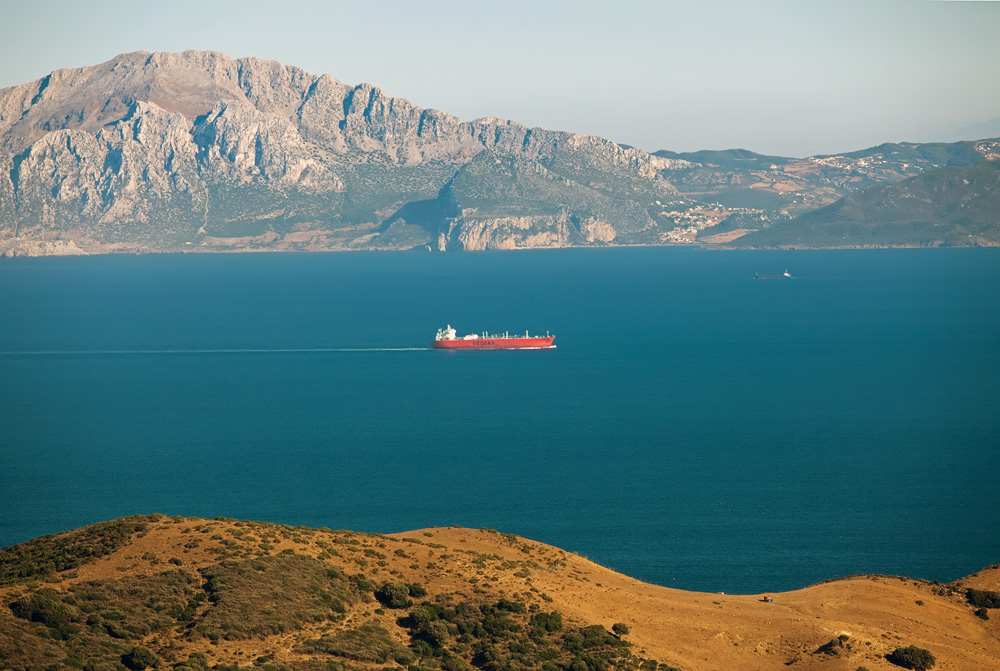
(777, 77)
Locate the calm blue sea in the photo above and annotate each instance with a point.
(694, 428)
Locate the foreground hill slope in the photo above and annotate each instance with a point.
(190, 593)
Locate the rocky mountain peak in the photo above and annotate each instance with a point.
(161, 137)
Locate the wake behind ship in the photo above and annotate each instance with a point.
(446, 339)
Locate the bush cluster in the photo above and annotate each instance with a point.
(912, 657)
(139, 658)
(62, 552)
(981, 598)
(833, 646)
(508, 635)
(397, 594)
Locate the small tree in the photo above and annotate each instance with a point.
(394, 595)
(912, 657)
(139, 658)
(620, 629)
(982, 598)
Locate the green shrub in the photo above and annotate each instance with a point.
(361, 583)
(139, 658)
(394, 595)
(983, 598)
(198, 661)
(596, 636)
(65, 551)
(547, 622)
(912, 657)
(45, 606)
(511, 606)
(834, 646)
(620, 629)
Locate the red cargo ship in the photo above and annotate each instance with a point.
(445, 339)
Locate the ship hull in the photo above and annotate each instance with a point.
(496, 343)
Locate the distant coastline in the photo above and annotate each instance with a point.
(169, 152)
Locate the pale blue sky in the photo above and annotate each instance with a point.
(789, 77)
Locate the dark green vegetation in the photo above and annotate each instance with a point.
(833, 646)
(95, 624)
(139, 658)
(457, 635)
(61, 552)
(99, 621)
(179, 613)
(912, 657)
(508, 635)
(983, 598)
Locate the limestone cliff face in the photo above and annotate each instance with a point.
(238, 142)
(149, 149)
(510, 232)
(110, 174)
(506, 201)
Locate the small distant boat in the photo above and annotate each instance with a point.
(783, 276)
(446, 339)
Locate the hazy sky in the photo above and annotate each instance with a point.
(788, 77)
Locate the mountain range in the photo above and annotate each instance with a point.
(198, 151)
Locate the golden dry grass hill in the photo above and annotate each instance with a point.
(189, 593)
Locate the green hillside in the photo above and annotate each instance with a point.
(954, 206)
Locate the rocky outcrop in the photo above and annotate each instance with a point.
(477, 234)
(109, 183)
(10, 247)
(238, 142)
(167, 150)
(504, 201)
